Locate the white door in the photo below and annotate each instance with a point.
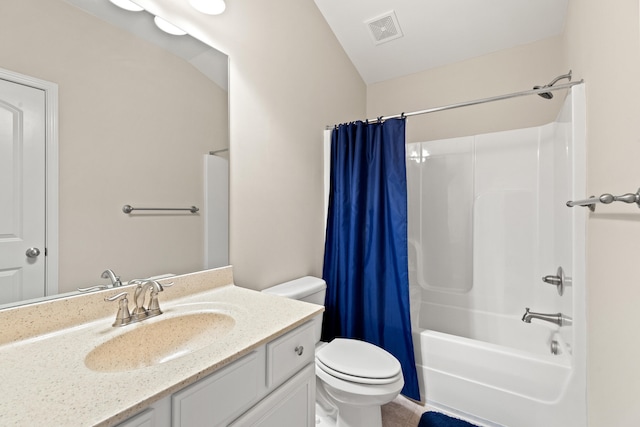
(22, 192)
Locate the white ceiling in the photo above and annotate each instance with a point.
(438, 32)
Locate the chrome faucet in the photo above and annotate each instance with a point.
(139, 313)
(153, 309)
(115, 280)
(557, 318)
(107, 274)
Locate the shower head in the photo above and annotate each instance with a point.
(549, 95)
(545, 95)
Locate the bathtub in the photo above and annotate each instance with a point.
(473, 375)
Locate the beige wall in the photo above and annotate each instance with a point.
(503, 72)
(285, 89)
(134, 124)
(601, 44)
(289, 78)
(292, 84)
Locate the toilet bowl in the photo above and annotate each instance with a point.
(354, 377)
(358, 377)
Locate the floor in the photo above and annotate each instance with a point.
(402, 412)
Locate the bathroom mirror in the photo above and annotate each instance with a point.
(138, 111)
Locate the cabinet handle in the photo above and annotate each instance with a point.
(299, 350)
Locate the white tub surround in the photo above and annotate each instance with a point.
(487, 220)
(43, 348)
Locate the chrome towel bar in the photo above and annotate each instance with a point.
(128, 209)
(606, 199)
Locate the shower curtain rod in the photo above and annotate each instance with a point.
(477, 101)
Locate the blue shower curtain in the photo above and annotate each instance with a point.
(366, 259)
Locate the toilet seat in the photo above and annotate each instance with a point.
(358, 361)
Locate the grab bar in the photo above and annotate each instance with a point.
(606, 199)
(128, 209)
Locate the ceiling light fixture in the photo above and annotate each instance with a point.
(209, 7)
(168, 27)
(127, 5)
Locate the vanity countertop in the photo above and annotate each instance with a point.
(43, 347)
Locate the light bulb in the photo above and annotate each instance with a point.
(168, 27)
(127, 5)
(210, 7)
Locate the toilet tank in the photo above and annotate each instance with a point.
(307, 289)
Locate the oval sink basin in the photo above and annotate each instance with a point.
(159, 341)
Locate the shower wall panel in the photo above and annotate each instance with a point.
(487, 220)
(443, 171)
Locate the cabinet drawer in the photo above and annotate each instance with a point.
(289, 353)
(220, 397)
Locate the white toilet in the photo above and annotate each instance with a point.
(354, 378)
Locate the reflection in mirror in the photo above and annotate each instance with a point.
(138, 112)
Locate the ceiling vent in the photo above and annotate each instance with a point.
(384, 28)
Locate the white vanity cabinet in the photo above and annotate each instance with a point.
(290, 381)
(272, 386)
(290, 405)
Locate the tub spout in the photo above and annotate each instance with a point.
(557, 318)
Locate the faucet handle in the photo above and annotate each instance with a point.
(93, 288)
(154, 305)
(115, 297)
(558, 280)
(123, 317)
(139, 312)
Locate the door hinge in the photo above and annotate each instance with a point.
(45, 251)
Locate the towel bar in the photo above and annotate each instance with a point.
(606, 199)
(128, 209)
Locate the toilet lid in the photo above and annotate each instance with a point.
(358, 361)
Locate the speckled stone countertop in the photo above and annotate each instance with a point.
(43, 347)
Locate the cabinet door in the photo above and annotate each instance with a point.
(143, 419)
(290, 405)
(157, 415)
(221, 396)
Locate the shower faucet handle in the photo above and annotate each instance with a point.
(559, 280)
